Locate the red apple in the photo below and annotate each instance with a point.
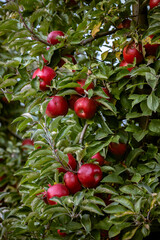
(27, 141)
(62, 234)
(124, 24)
(89, 175)
(62, 62)
(85, 108)
(117, 148)
(46, 74)
(98, 158)
(52, 37)
(124, 64)
(71, 163)
(151, 49)
(58, 106)
(153, 3)
(57, 190)
(44, 196)
(72, 182)
(43, 86)
(80, 89)
(71, 101)
(132, 51)
(109, 97)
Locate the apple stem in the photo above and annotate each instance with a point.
(83, 133)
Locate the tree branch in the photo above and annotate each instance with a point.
(15, 134)
(82, 133)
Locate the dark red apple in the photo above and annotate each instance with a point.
(154, 3)
(71, 101)
(98, 158)
(132, 51)
(117, 148)
(72, 182)
(27, 141)
(52, 37)
(109, 97)
(70, 57)
(151, 49)
(80, 89)
(124, 24)
(46, 74)
(85, 108)
(43, 86)
(71, 163)
(57, 190)
(62, 234)
(89, 175)
(58, 106)
(43, 196)
(124, 64)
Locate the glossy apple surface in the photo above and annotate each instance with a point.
(72, 182)
(70, 57)
(71, 101)
(89, 175)
(132, 51)
(46, 74)
(43, 86)
(57, 190)
(117, 148)
(85, 108)
(124, 24)
(57, 106)
(80, 89)
(154, 3)
(62, 234)
(151, 49)
(71, 163)
(52, 37)
(98, 158)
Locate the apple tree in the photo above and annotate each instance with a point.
(80, 123)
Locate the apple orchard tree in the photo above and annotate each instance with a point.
(79, 119)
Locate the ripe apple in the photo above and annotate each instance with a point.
(72, 182)
(71, 163)
(106, 91)
(151, 49)
(44, 196)
(57, 106)
(43, 86)
(124, 64)
(52, 37)
(62, 234)
(57, 190)
(46, 74)
(98, 158)
(27, 141)
(85, 108)
(124, 24)
(62, 62)
(154, 3)
(71, 101)
(117, 148)
(132, 51)
(80, 89)
(89, 175)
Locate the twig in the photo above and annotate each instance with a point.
(82, 133)
(15, 134)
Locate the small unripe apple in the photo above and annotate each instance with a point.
(57, 190)
(80, 89)
(89, 175)
(57, 106)
(151, 49)
(71, 101)
(46, 74)
(62, 234)
(85, 108)
(154, 3)
(98, 158)
(52, 37)
(62, 62)
(126, 23)
(132, 51)
(71, 163)
(72, 182)
(117, 148)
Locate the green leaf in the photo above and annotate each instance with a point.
(106, 189)
(8, 83)
(125, 202)
(154, 126)
(86, 222)
(11, 6)
(131, 189)
(133, 155)
(91, 207)
(114, 209)
(153, 102)
(129, 235)
(116, 229)
(136, 178)
(113, 178)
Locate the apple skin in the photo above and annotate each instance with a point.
(43, 86)
(27, 142)
(81, 82)
(85, 108)
(58, 106)
(71, 163)
(154, 3)
(44, 196)
(151, 49)
(71, 101)
(132, 51)
(62, 234)
(46, 74)
(72, 182)
(62, 62)
(124, 64)
(57, 190)
(89, 175)
(126, 23)
(109, 97)
(52, 37)
(117, 148)
(98, 158)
